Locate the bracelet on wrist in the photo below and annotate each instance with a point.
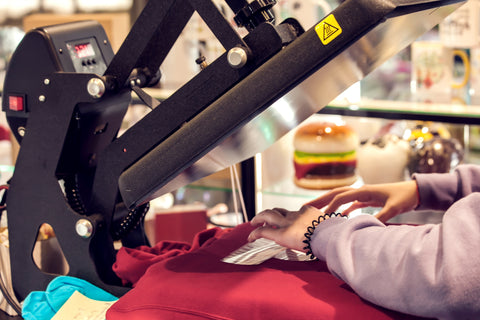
(311, 229)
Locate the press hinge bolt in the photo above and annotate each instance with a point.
(84, 228)
(237, 57)
(96, 87)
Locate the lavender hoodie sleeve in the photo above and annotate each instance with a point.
(440, 191)
(427, 270)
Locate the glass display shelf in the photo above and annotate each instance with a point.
(405, 110)
(286, 195)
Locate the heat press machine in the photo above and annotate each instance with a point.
(66, 93)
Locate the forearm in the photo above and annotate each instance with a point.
(419, 270)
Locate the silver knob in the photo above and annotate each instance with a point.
(237, 57)
(84, 228)
(96, 87)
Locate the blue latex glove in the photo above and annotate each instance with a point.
(43, 305)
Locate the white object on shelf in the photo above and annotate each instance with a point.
(383, 160)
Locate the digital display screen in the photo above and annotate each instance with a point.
(84, 50)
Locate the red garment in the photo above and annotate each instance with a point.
(131, 264)
(196, 284)
(4, 133)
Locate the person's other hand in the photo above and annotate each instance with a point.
(394, 198)
(286, 228)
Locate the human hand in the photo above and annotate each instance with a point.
(286, 228)
(394, 198)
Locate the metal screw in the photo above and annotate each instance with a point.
(21, 131)
(84, 228)
(202, 62)
(237, 57)
(42, 98)
(96, 87)
(46, 81)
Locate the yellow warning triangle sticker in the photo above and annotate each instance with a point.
(328, 29)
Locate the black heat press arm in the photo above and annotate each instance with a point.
(67, 114)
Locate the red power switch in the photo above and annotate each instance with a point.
(15, 103)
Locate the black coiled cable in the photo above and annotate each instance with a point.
(119, 230)
(130, 222)
(73, 195)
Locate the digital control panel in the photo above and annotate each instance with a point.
(86, 56)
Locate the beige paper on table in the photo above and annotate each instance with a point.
(80, 307)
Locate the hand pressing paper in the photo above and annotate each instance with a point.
(80, 307)
(261, 250)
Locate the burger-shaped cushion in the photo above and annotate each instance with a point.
(325, 155)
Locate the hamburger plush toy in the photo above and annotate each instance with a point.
(325, 155)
